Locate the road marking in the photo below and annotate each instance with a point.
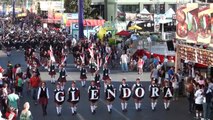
(80, 116)
(116, 110)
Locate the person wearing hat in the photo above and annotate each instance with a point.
(73, 97)
(167, 94)
(125, 93)
(94, 94)
(138, 94)
(83, 75)
(109, 94)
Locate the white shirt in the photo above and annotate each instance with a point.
(39, 91)
(198, 96)
(18, 70)
(124, 58)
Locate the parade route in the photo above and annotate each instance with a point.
(178, 109)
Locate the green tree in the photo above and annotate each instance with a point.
(71, 6)
(87, 8)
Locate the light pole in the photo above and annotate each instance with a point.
(14, 2)
(81, 18)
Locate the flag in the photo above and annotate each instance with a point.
(107, 57)
(51, 54)
(91, 51)
(64, 60)
(1, 70)
(82, 58)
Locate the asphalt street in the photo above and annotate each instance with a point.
(178, 109)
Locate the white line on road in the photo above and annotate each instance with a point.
(116, 110)
(80, 116)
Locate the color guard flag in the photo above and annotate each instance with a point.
(51, 54)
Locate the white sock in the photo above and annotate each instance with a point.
(57, 110)
(108, 108)
(92, 108)
(105, 85)
(75, 108)
(125, 105)
(136, 106)
(122, 106)
(168, 103)
(197, 114)
(200, 114)
(72, 109)
(82, 83)
(60, 108)
(62, 87)
(165, 105)
(152, 105)
(139, 105)
(155, 103)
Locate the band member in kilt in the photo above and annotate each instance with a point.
(83, 76)
(109, 94)
(94, 94)
(93, 66)
(43, 96)
(74, 97)
(106, 72)
(97, 79)
(62, 76)
(59, 96)
(138, 94)
(125, 93)
(154, 94)
(167, 94)
(52, 72)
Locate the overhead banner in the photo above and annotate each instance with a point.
(194, 23)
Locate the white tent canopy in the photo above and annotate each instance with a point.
(144, 11)
(169, 13)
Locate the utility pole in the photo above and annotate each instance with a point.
(81, 19)
(14, 15)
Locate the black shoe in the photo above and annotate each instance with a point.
(110, 111)
(167, 109)
(139, 109)
(93, 112)
(75, 112)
